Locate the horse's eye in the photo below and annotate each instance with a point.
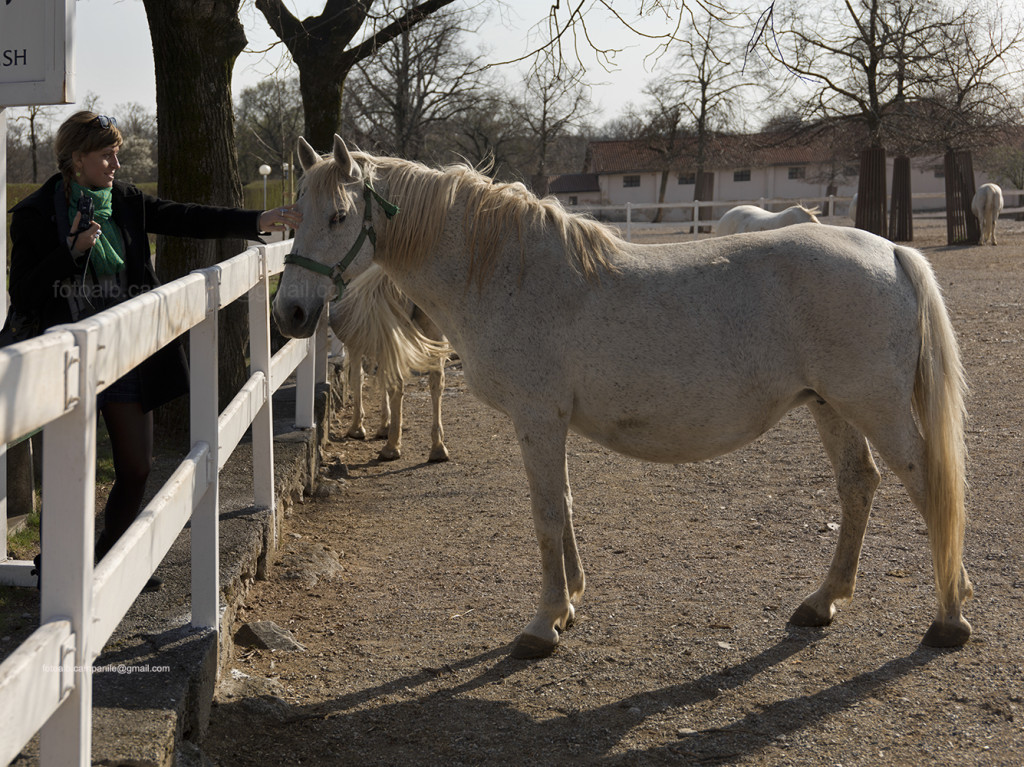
(338, 217)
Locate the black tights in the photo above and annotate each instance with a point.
(131, 439)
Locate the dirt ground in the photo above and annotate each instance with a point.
(681, 653)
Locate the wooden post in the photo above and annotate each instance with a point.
(901, 214)
(962, 227)
(871, 191)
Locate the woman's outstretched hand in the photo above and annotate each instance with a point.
(280, 219)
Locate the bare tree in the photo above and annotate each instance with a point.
(420, 80)
(700, 95)
(37, 121)
(138, 153)
(555, 101)
(269, 123)
(865, 61)
(322, 49)
(488, 136)
(974, 91)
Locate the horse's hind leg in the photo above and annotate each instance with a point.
(902, 449)
(355, 384)
(438, 452)
(857, 479)
(392, 449)
(386, 396)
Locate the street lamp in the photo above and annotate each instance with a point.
(264, 171)
(284, 181)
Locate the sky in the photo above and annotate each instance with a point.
(118, 68)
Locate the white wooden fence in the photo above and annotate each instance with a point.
(837, 207)
(51, 382)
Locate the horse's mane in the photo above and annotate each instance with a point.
(812, 212)
(495, 213)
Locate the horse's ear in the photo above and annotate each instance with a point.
(307, 154)
(344, 160)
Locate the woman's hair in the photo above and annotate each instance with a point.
(82, 132)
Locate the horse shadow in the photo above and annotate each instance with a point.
(486, 729)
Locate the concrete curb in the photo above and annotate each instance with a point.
(154, 683)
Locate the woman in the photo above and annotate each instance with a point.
(64, 268)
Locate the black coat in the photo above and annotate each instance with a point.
(41, 261)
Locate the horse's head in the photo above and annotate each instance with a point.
(335, 241)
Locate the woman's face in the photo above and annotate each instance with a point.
(97, 168)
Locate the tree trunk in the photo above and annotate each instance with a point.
(195, 44)
(321, 101)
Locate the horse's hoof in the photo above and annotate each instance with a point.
(528, 646)
(947, 634)
(389, 455)
(807, 617)
(359, 433)
(382, 432)
(438, 455)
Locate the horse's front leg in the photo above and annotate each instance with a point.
(543, 449)
(438, 452)
(391, 406)
(355, 385)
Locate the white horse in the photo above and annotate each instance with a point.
(986, 206)
(676, 352)
(376, 321)
(750, 218)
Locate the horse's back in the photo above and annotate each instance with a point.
(737, 332)
(740, 219)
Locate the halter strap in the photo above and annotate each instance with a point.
(334, 272)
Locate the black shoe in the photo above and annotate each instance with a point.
(153, 584)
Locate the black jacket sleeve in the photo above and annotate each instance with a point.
(200, 221)
(39, 261)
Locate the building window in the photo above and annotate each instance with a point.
(940, 171)
(574, 200)
(687, 178)
(631, 181)
(797, 172)
(741, 175)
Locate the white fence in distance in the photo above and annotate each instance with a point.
(835, 206)
(51, 382)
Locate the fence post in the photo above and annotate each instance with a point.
(66, 538)
(203, 415)
(629, 222)
(263, 423)
(323, 348)
(305, 375)
(695, 229)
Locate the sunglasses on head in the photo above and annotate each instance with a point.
(105, 122)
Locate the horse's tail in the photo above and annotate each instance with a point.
(939, 389)
(373, 319)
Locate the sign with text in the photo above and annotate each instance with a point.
(36, 56)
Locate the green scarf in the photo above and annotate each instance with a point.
(107, 255)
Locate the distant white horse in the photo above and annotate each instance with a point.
(376, 321)
(750, 218)
(986, 206)
(674, 352)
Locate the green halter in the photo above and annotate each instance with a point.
(334, 272)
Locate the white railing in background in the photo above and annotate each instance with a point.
(51, 382)
(836, 206)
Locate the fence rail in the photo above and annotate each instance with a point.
(51, 383)
(830, 203)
